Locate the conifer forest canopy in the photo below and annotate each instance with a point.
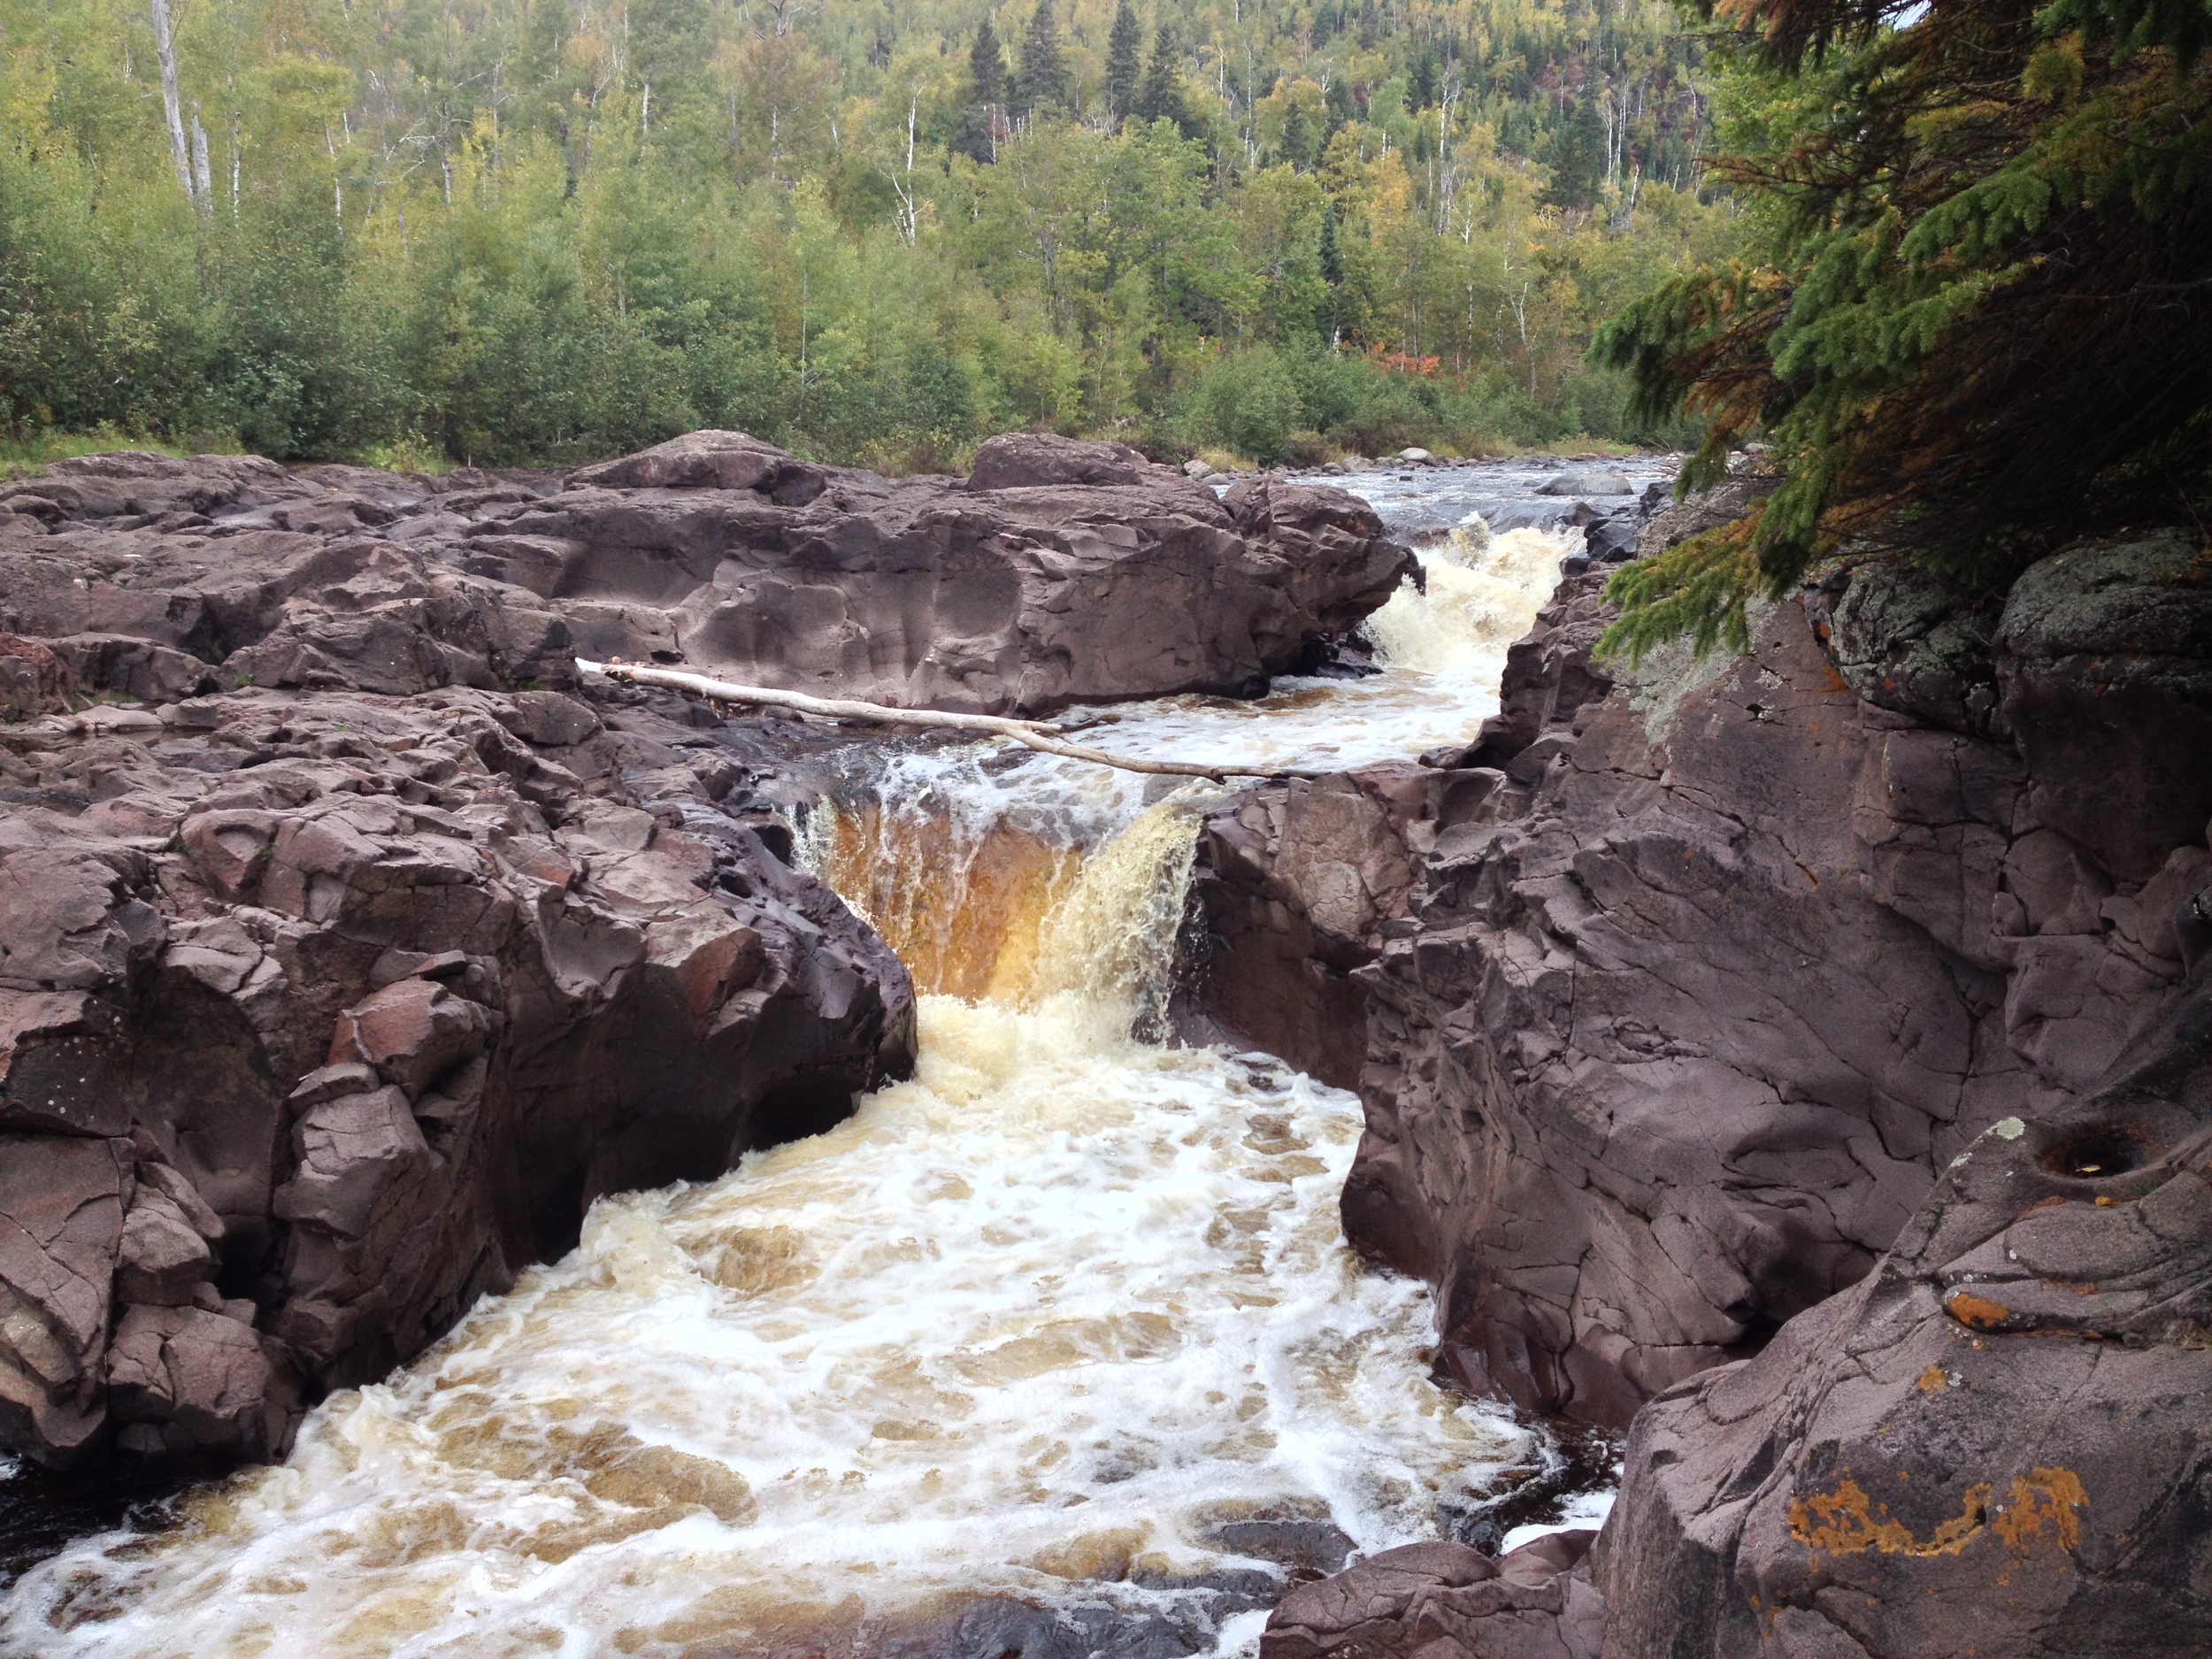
(426, 232)
(1975, 315)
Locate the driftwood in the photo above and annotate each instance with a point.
(1034, 733)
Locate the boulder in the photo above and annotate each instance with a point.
(2104, 658)
(1415, 457)
(1444, 1600)
(1019, 460)
(323, 1013)
(34, 680)
(1908, 641)
(709, 460)
(1593, 483)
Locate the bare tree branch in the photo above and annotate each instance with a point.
(1033, 733)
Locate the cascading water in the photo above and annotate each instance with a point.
(1056, 1347)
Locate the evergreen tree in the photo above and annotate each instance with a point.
(1332, 269)
(1124, 47)
(986, 71)
(1298, 146)
(1578, 155)
(1341, 107)
(1421, 80)
(1160, 94)
(1981, 325)
(1042, 86)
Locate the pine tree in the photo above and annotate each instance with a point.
(1160, 94)
(1297, 145)
(986, 71)
(1341, 107)
(1042, 86)
(1123, 69)
(1578, 155)
(1980, 326)
(1332, 271)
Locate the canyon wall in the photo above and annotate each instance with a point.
(1685, 990)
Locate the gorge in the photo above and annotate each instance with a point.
(1797, 1061)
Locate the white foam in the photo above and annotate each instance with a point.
(1052, 1310)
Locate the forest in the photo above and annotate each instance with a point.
(425, 233)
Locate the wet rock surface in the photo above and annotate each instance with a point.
(344, 959)
(325, 1012)
(1854, 990)
(1444, 1600)
(1059, 572)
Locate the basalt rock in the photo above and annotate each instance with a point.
(322, 1013)
(1059, 572)
(1296, 885)
(1995, 1444)
(1758, 997)
(1670, 1033)
(2104, 654)
(1444, 1600)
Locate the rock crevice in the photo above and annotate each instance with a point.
(1801, 1056)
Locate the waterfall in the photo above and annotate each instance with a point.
(1059, 1337)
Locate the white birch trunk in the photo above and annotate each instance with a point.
(165, 50)
(203, 180)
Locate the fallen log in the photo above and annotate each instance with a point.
(1034, 733)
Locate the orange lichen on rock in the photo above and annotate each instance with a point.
(1978, 1311)
(1932, 1381)
(2051, 1495)
(1844, 1523)
(1847, 1522)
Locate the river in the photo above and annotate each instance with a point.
(1056, 1348)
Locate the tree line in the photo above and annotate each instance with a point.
(512, 231)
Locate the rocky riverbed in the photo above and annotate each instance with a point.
(1798, 1064)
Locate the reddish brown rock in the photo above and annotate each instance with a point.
(1995, 1444)
(334, 1011)
(1059, 572)
(34, 680)
(1295, 884)
(1667, 1037)
(1443, 1601)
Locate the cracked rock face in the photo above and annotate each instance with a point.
(341, 975)
(322, 1013)
(1995, 1443)
(1674, 1019)
(1753, 1008)
(1059, 572)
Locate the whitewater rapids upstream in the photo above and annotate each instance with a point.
(1056, 1348)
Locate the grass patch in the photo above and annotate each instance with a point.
(24, 453)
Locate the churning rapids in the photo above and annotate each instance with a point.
(1056, 1348)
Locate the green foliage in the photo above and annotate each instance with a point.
(1123, 70)
(1160, 94)
(505, 234)
(1974, 323)
(1043, 86)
